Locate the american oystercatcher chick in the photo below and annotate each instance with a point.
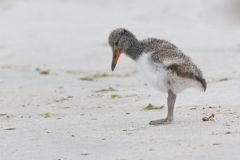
(162, 64)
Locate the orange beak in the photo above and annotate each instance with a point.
(115, 58)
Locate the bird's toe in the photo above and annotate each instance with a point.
(160, 122)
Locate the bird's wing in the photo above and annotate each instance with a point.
(177, 62)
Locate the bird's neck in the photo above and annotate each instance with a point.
(135, 51)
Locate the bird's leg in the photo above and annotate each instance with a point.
(171, 101)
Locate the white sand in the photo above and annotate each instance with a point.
(70, 39)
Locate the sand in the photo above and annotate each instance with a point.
(60, 101)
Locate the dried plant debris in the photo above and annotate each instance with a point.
(97, 95)
(213, 80)
(43, 71)
(131, 95)
(153, 107)
(94, 77)
(129, 129)
(223, 79)
(110, 89)
(98, 76)
(209, 118)
(74, 72)
(116, 96)
(211, 107)
(193, 108)
(62, 99)
(47, 115)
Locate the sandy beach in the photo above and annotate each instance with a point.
(60, 101)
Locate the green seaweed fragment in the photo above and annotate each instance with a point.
(115, 96)
(47, 115)
(110, 89)
(153, 107)
(94, 77)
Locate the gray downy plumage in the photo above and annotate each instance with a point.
(161, 50)
(171, 70)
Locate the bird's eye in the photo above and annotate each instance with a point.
(116, 43)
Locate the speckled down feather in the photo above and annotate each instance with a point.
(162, 52)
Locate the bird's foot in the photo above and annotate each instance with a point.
(161, 122)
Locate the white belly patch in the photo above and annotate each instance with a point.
(153, 75)
(160, 78)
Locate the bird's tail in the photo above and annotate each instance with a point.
(203, 82)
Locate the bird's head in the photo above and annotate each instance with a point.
(120, 40)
